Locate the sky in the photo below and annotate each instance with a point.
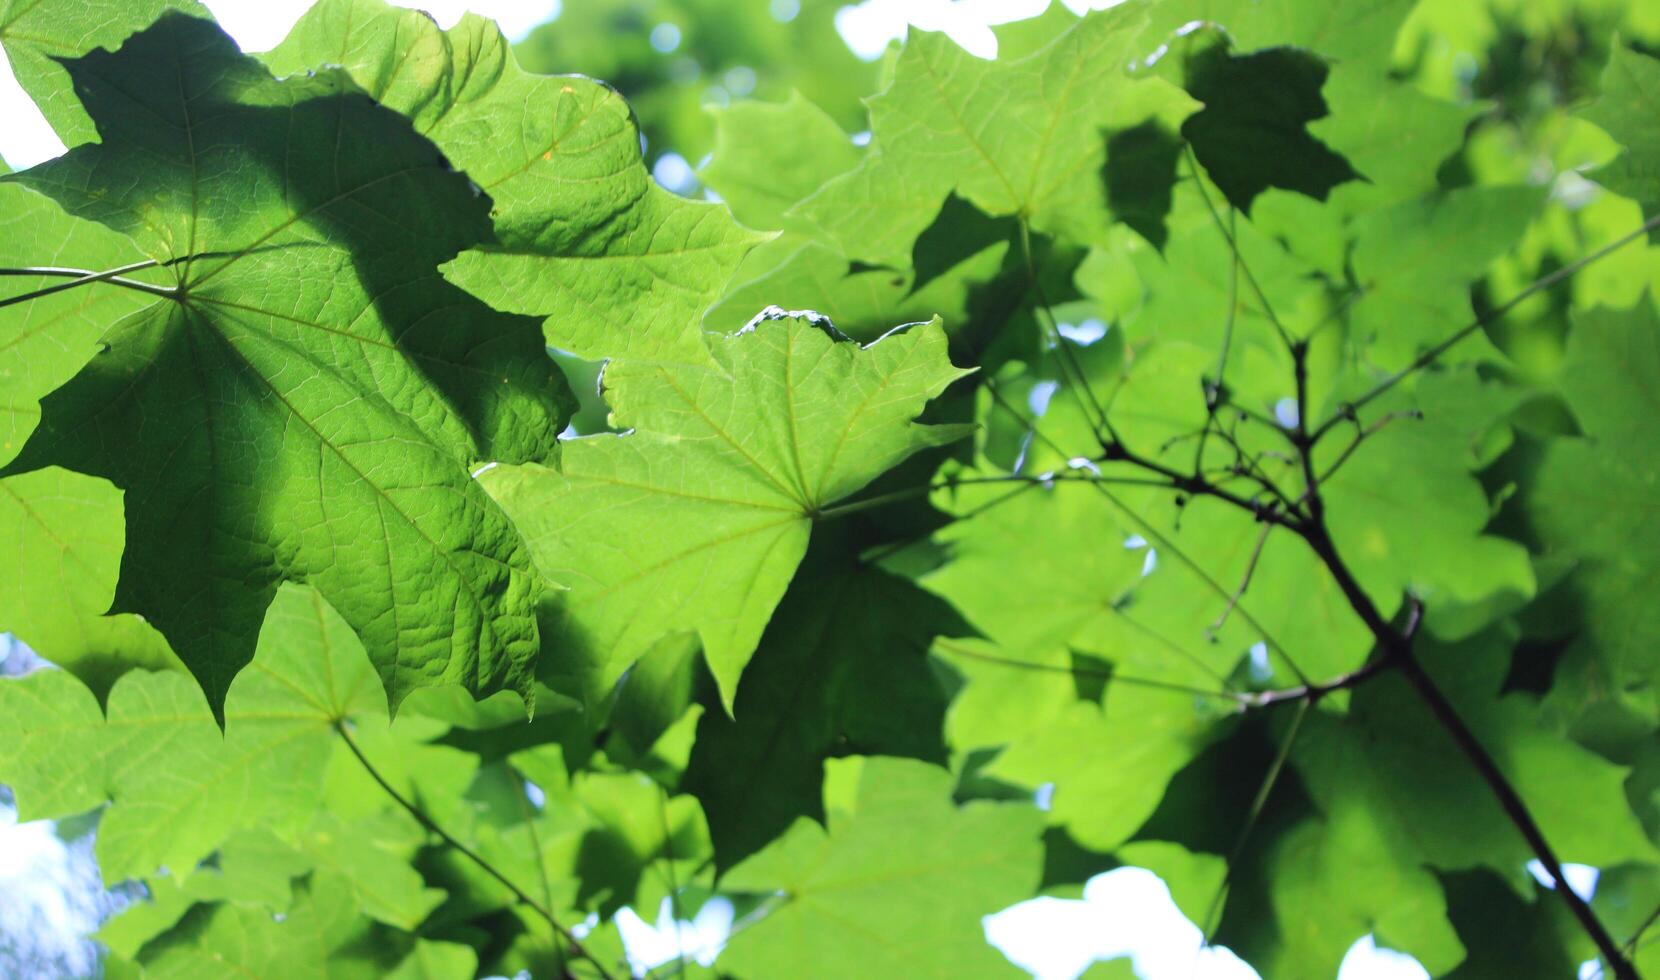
(48, 887)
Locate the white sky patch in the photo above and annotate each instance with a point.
(25, 139)
(1125, 912)
(1129, 912)
(1582, 878)
(700, 939)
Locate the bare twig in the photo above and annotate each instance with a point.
(1244, 582)
(1431, 355)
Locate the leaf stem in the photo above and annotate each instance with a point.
(1039, 479)
(1079, 382)
(467, 852)
(84, 277)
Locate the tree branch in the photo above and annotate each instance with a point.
(1396, 650)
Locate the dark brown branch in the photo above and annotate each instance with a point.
(1396, 650)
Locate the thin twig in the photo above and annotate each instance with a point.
(1214, 387)
(1429, 356)
(1079, 383)
(674, 882)
(1361, 435)
(1250, 279)
(1037, 479)
(467, 852)
(1245, 581)
(1258, 805)
(1099, 673)
(1397, 648)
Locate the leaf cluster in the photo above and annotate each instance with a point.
(1204, 418)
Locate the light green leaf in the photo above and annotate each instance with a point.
(1629, 110)
(43, 342)
(1393, 134)
(303, 406)
(1407, 512)
(822, 681)
(60, 577)
(618, 266)
(39, 34)
(180, 787)
(896, 886)
(1148, 733)
(1358, 31)
(1415, 262)
(768, 156)
(1013, 138)
(368, 855)
(51, 732)
(696, 519)
(1596, 496)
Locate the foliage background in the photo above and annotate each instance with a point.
(1520, 75)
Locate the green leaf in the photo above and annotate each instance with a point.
(323, 936)
(44, 341)
(1576, 796)
(38, 35)
(1150, 735)
(769, 156)
(294, 409)
(842, 668)
(1251, 133)
(1595, 496)
(894, 886)
(51, 733)
(715, 490)
(965, 268)
(1141, 175)
(1415, 262)
(1058, 547)
(1343, 876)
(1190, 289)
(179, 787)
(1393, 134)
(1359, 32)
(1012, 138)
(60, 577)
(1509, 934)
(618, 266)
(1629, 110)
(1408, 514)
(367, 855)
